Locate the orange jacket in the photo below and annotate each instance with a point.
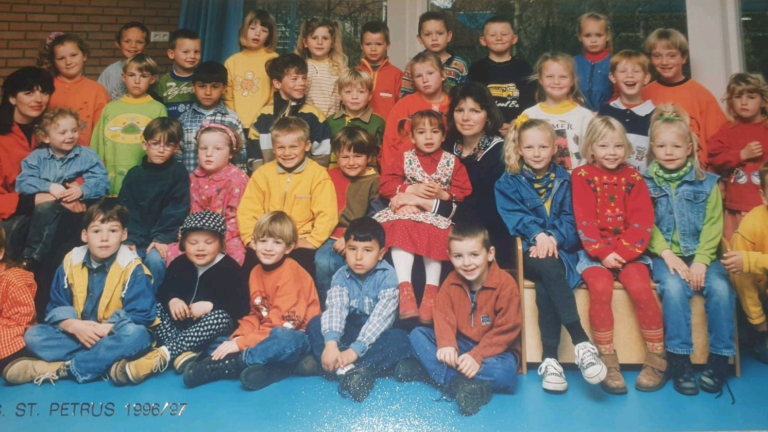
(13, 148)
(387, 81)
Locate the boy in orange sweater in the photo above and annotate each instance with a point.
(270, 340)
(387, 78)
(477, 321)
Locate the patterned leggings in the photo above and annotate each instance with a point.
(190, 335)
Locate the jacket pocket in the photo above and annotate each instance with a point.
(301, 212)
(532, 203)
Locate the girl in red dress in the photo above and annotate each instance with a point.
(429, 173)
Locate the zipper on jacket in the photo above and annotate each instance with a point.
(285, 194)
(195, 292)
(473, 306)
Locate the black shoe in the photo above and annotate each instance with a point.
(761, 347)
(308, 366)
(256, 377)
(409, 369)
(714, 375)
(208, 370)
(470, 395)
(357, 384)
(681, 372)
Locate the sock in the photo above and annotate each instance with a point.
(64, 370)
(605, 349)
(656, 348)
(549, 352)
(578, 335)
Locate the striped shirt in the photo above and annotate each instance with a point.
(192, 120)
(17, 308)
(322, 91)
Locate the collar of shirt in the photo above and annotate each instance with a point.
(217, 176)
(49, 154)
(87, 262)
(220, 109)
(299, 168)
(365, 116)
(492, 281)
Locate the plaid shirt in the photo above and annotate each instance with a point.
(192, 120)
(17, 308)
(375, 297)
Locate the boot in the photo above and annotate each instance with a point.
(761, 347)
(26, 369)
(256, 377)
(308, 366)
(408, 307)
(714, 375)
(208, 370)
(357, 384)
(409, 369)
(427, 304)
(470, 395)
(184, 360)
(681, 373)
(613, 382)
(654, 373)
(155, 361)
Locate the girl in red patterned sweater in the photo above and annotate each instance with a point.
(614, 219)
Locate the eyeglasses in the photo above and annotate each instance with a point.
(156, 145)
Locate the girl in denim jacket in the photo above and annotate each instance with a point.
(534, 200)
(687, 231)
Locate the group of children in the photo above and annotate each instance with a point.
(347, 164)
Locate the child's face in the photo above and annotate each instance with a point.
(69, 61)
(62, 136)
(202, 247)
(209, 94)
(498, 38)
(593, 36)
(609, 151)
(362, 257)
(471, 260)
(556, 80)
(470, 118)
(355, 98)
(671, 148)
(374, 47)
(290, 150)
(434, 36)
(137, 82)
(668, 62)
(630, 78)
(256, 36)
(214, 151)
(426, 137)
(159, 150)
(186, 56)
(537, 149)
(103, 238)
(270, 250)
(428, 80)
(319, 43)
(293, 85)
(132, 42)
(748, 106)
(351, 164)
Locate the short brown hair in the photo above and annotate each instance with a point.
(469, 231)
(50, 117)
(278, 225)
(167, 128)
(356, 139)
(143, 63)
(669, 36)
(106, 210)
(290, 126)
(633, 57)
(375, 27)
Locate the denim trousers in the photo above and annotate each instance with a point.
(500, 370)
(155, 263)
(283, 346)
(383, 355)
(50, 343)
(327, 263)
(719, 303)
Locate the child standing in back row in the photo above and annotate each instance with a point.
(321, 45)
(175, 89)
(592, 67)
(387, 78)
(131, 40)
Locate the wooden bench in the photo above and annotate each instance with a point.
(628, 340)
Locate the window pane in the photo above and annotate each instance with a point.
(754, 29)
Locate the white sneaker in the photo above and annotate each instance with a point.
(588, 360)
(553, 378)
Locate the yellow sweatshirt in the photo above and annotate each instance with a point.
(751, 239)
(249, 88)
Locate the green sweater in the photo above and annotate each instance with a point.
(709, 239)
(117, 137)
(369, 121)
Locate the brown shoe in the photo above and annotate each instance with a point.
(26, 369)
(653, 376)
(613, 382)
(427, 304)
(408, 307)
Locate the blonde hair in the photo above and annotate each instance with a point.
(290, 126)
(512, 154)
(277, 225)
(429, 58)
(336, 55)
(671, 37)
(597, 129)
(354, 77)
(632, 57)
(567, 62)
(599, 18)
(671, 116)
(741, 83)
(143, 63)
(50, 117)
(264, 19)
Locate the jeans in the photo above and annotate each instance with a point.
(42, 230)
(391, 346)
(327, 263)
(281, 346)
(16, 229)
(155, 263)
(720, 303)
(50, 343)
(500, 370)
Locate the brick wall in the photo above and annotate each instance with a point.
(24, 24)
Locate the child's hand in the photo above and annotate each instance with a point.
(424, 190)
(72, 193)
(339, 246)
(56, 190)
(443, 195)
(347, 357)
(698, 275)
(330, 358)
(179, 310)
(752, 150)
(225, 349)
(448, 355)
(407, 210)
(613, 261)
(546, 246)
(74, 206)
(43, 197)
(733, 262)
(675, 264)
(467, 366)
(103, 329)
(304, 244)
(198, 309)
(87, 332)
(161, 248)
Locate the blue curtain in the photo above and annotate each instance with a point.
(218, 24)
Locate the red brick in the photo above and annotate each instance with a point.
(42, 17)
(73, 18)
(88, 10)
(169, 13)
(48, 2)
(24, 44)
(31, 53)
(156, 20)
(77, 2)
(99, 53)
(104, 3)
(3, 62)
(16, 1)
(100, 36)
(25, 26)
(59, 9)
(5, 7)
(21, 62)
(7, 53)
(102, 19)
(135, 3)
(14, 17)
(87, 27)
(36, 35)
(4, 26)
(57, 27)
(123, 11)
(27, 8)
(11, 35)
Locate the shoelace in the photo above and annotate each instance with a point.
(586, 356)
(728, 386)
(48, 376)
(161, 364)
(550, 367)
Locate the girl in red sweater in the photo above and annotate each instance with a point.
(740, 147)
(427, 172)
(614, 218)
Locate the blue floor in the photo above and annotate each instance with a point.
(312, 404)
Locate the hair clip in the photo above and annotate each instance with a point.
(51, 37)
(220, 127)
(669, 115)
